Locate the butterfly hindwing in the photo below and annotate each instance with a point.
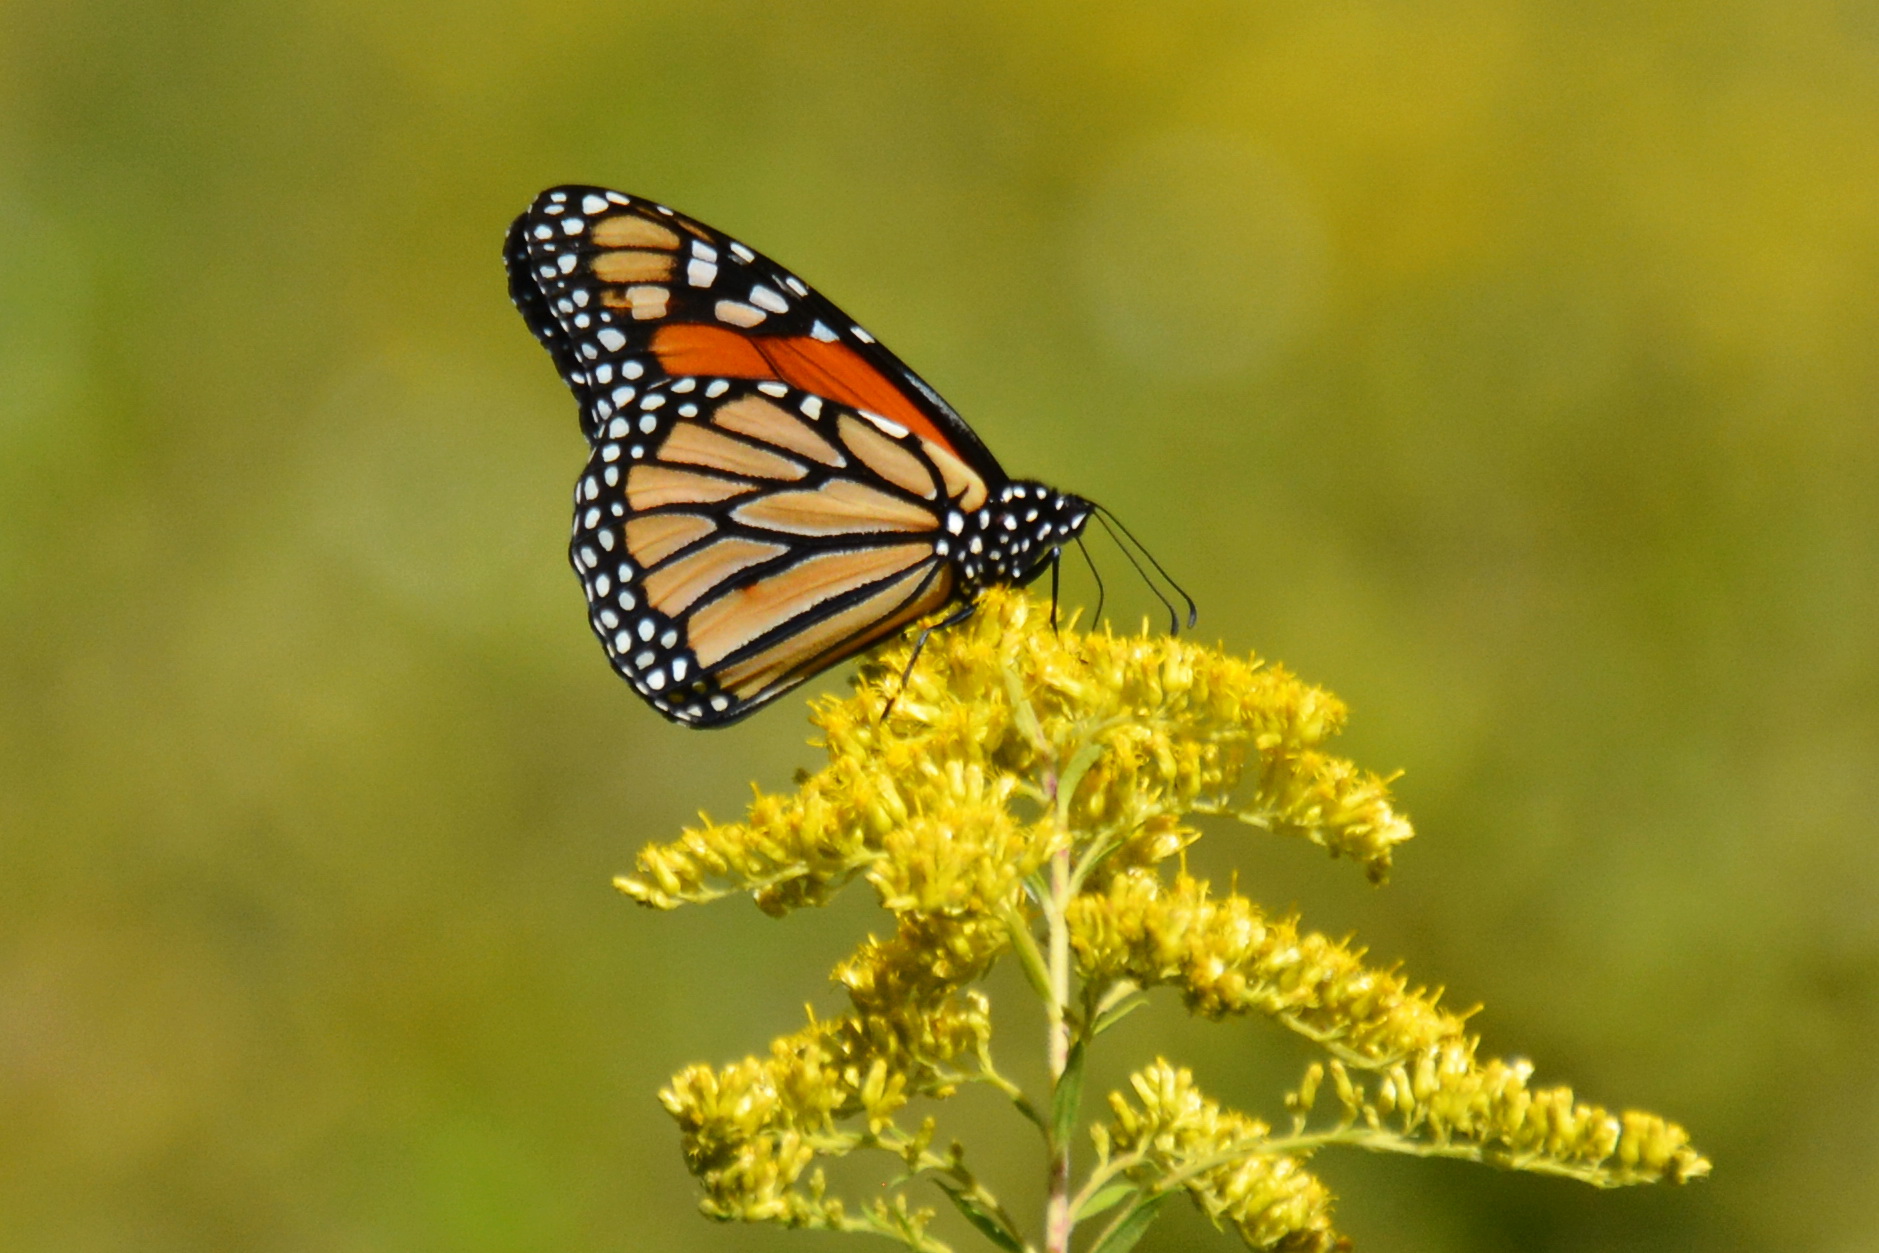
(735, 537)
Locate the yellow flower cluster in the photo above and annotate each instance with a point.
(1181, 1138)
(1020, 793)
(1444, 1102)
(752, 1129)
(1226, 956)
(1165, 727)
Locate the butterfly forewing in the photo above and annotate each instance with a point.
(622, 290)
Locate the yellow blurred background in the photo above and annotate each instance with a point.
(1508, 368)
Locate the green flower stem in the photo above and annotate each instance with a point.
(965, 1183)
(1103, 1175)
(1059, 1218)
(1030, 957)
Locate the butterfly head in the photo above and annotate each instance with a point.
(1014, 535)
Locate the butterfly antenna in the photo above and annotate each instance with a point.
(919, 644)
(1174, 622)
(1193, 610)
(1101, 592)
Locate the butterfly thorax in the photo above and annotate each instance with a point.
(1013, 536)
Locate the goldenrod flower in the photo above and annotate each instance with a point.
(1023, 795)
(1187, 1139)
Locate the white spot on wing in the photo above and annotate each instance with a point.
(887, 425)
(737, 313)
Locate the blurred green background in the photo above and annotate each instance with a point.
(1508, 368)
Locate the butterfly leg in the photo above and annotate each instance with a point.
(958, 616)
(1056, 564)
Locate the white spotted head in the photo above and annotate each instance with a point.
(1015, 534)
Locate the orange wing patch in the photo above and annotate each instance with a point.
(729, 622)
(632, 265)
(673, 587)
(639, 258)
(838, 507)
(629, 230)
(840, 634)
(701, 446)
(828, 368)
(652, 539)
(773, 424)
(650, 486)
(885, 457)
(963, 484)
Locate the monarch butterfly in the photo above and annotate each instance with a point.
(770, 490)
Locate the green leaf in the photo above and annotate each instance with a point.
(1072, 776)
(1123, 1234)
(1117, 1012)
(1030, 960)
(989, 1225)
(1067, 1098)
(1103, 1199)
